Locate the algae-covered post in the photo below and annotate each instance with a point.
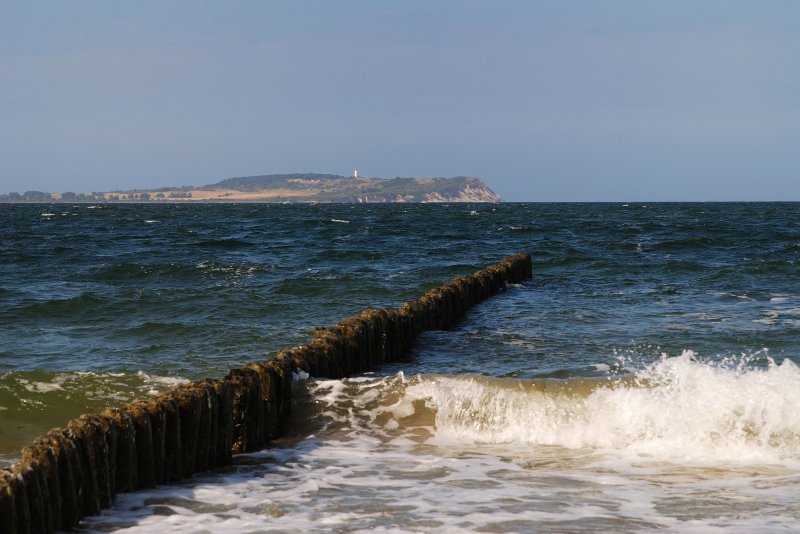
(72, 473)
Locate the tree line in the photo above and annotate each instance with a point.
(69, 196)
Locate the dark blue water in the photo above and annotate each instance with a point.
(100, 304)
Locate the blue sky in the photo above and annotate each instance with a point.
(545, 100)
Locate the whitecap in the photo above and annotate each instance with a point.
(155, 384)
(679, 408)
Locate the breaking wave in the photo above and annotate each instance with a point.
(679, 408)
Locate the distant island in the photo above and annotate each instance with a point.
(290, 188)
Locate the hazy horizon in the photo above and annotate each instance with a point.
(569, 101)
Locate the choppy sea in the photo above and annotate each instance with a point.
(646, 378)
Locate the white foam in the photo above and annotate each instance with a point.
(677, 409)
(379, 457)
(40, 387)
(300, 376)
(156, 384)
(87, 385)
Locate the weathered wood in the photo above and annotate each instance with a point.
(8, 504)
(224, 391)
(125, 471)
(42, 454)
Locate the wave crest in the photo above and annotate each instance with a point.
(677, 408)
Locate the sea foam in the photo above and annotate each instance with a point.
(678, 408)
(462, 453)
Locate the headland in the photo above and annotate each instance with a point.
(289, 188)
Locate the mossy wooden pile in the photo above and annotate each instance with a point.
(76, 471)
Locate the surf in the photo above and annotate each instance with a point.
(678, 408)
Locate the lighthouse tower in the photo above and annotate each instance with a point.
(355, 173)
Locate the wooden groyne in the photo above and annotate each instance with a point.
(74, 472)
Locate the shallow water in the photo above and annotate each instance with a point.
(447, 453)
(645, 378)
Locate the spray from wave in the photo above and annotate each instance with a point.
(676, 408)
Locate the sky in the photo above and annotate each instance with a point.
(617, 100)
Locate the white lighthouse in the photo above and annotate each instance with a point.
(355, 173)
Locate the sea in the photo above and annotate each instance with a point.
(646, 378)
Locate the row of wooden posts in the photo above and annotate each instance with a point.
(74, 472)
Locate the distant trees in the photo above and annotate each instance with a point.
(27, 196)
(36, 196)
(71, 196)
(163, 194)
